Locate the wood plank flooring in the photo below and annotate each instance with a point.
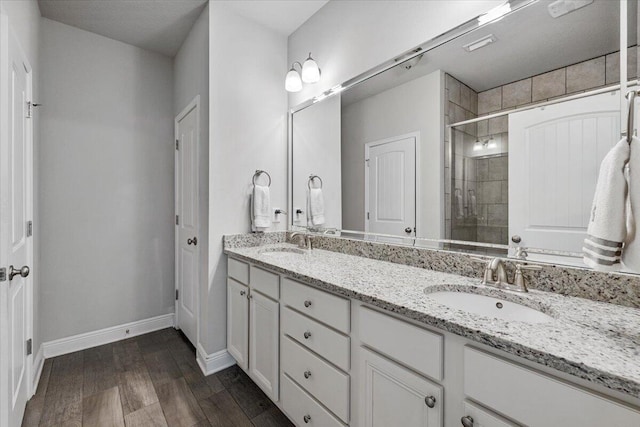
(150, 380)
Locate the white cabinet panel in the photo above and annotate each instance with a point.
(238, 270)
(535, 399)
(264, 329)
(266, 282)
(323, 306)
(303, 409)
(238, 322)
(394, 396)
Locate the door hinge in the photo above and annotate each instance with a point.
(29, 228)
(3, 274)
(30, 106)
(177, 144)
(29, 347)
(177, 219)
(176, 294)
(367, 215)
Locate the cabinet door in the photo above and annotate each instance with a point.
(395, 396)
(238, 322)
(264, 343)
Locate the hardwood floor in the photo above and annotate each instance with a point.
(150, 380)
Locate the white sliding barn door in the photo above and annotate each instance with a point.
(554, 158)
(16, 250)
(390, 185)
(187, 220)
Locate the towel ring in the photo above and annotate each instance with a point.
(310, 181)
(631, 96)
(258, 173)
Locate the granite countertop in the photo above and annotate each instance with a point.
(595, 341)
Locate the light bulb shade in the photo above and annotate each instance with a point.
(293, 83)
(310, 71)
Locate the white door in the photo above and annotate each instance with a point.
(394, 396)
(264, 325)
(16, 251)
(187, 225)
(238, 322)
(390, 182)
(554, 157)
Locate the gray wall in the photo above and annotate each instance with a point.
(106, 182)
(191, 78)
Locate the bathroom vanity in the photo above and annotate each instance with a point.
(336, 340)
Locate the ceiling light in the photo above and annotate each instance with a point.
(482, 42)
(293, 82)
(310, 71)
(494, 14)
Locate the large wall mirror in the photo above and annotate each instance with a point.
(488, 139)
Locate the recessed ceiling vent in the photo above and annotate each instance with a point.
(481, 42)
(562, 7)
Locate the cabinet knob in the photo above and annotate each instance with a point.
(516, 239)
(307, 303)
(242, 292)
(307, 374)
(307, 335)
(306, 419)
(467, 421)
(430, 401)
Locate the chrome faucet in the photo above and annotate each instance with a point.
(495, 275)
(304, 241)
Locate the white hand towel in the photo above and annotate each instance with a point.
(631, 251)
(473, 203)
(607, 227)
(459, 204)
(316, 206)
(261, 208)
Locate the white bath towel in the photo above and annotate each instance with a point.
(459, 203)
(315, 206)
(607, 229)
(473, 203)
(631, 251)
(260, 208)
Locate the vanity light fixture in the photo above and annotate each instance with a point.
(309, 73)
(481, 42)
(495, 14)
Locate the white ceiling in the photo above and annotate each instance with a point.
(157, 25)
(283, 16)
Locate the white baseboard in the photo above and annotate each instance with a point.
(212, 363)
(107, 335)
(38, 364)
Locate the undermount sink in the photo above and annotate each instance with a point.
(283, 250)
(490, 307)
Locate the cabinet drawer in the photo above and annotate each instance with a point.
(324, 382)
(266, 282)
(483, 418)
(536, 399)
(298, 404)
(328, 343)
(415, 347)
(238, 270)
(329, 309)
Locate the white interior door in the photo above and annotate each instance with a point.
(16, 252)
(187, 224)
(390, 182)
(554, 158)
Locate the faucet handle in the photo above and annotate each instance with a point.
(519, 280)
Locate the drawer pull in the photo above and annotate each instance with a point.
(307, 374)
(430, 401)
(307, 335)
(307, 303)
(306, 419)
(467, 421)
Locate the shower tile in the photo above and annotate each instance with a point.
(447, 207)
(490, 192)
(490, 100)
(482, 214)
(490, 235)
(586, 75)
(498, 125)
(612, 68)
(447, 230)
(548, 85)
(482, 169)
(483, 128)
(454, 90)
(474, 102)
(505, 192)
(465, 97)
(517, 93)
(498, 168)
(497, 214)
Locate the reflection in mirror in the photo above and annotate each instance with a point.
(493, 138)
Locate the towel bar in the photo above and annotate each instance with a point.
(258, 173)
(631, 96)
(310, 181)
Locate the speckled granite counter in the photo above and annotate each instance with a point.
(595, 341)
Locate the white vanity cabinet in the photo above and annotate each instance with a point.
(253, 323)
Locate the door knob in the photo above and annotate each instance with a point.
(467, 421)
(516, 239)
(407, 230)
(430, 401)
(193, 241)
(24, 272)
